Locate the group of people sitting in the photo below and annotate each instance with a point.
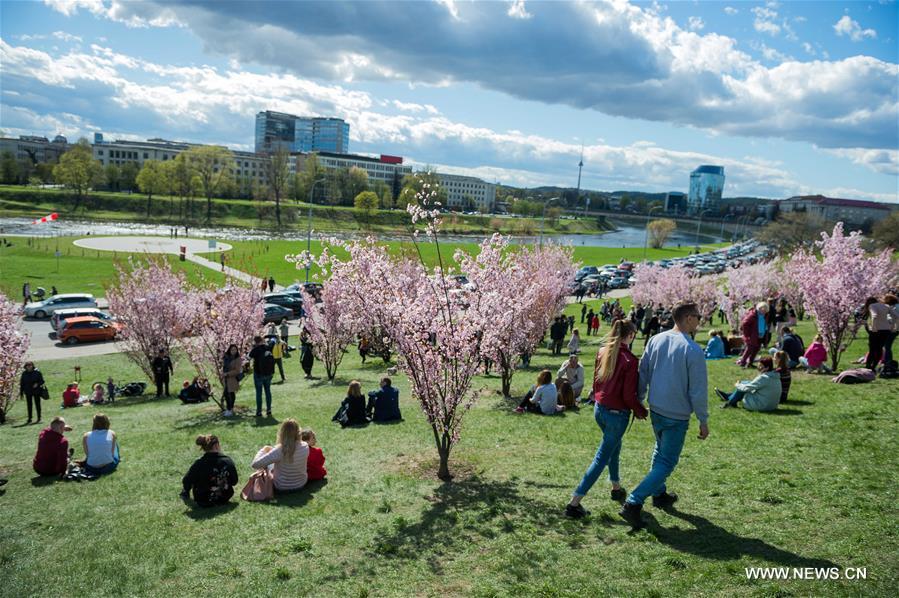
(383, 405)
(548, 397)
(54, 457)
(293, 462)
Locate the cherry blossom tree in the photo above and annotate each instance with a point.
(748, 284)
(154, 305)
(15, 343)
(836, 282)
(223, 316)
(666, 287)
(331, 323)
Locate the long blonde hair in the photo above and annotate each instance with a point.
(608, 354)
(288, 436)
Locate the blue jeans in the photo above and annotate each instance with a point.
(670, 435)
(613, 426)
(263, 382)
(109, 467)
(735, 397)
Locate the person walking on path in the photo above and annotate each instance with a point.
(673, 369)
(26, 294)
(264, 286)
(263, 371)
(222, 260)
(615, 393)
(754, 326)
(271, 284)
(30, 385)
(162, 368)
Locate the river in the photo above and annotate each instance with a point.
(626, 235)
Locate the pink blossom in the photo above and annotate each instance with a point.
(14, 342)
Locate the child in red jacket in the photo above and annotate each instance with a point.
(315, 464)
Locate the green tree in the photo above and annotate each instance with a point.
(384, 193)
(128, 176)
(886, 231)
(277, 169)
(357, 181)
(659, 231)
(180, 179)
(78, 170)
(112, 174)
(415, 182)
(312, 171)
(44, 172)
(10, 171)
(366, 203)
(152, 180)
(792, 230)
(624, 203)
(212, 167)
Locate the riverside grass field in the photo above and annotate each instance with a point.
(811, 485)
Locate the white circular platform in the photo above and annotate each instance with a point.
(150, 244)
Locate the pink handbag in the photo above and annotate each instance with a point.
(259, 487)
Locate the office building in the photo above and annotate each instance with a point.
(676, 202)
(388, 169)
(706, 188)
(278, 130)
(852, 212)
(468, 193)
(34, 149)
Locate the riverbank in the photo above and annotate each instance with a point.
(101, 206)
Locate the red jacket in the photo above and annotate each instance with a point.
(70, 397)
(315, 464)
(52, 453)
(749, 325)
(620, 391)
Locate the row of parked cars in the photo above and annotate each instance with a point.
(715, 262)
(76, 317)
(611, 275)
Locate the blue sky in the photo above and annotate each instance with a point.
(791, 97)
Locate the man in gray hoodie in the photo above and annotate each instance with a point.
(673, 368)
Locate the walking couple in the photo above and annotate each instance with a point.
(673, 370)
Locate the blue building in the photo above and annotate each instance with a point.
(276, 130)
(706, 188)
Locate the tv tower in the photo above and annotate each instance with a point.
(577, 197)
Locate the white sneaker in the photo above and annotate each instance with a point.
(228, 413)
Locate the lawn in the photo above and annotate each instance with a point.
(78, 269)
(811, 486)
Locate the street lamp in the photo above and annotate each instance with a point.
(309, 227)
(646, 236)
(698, 224)
(543, 217)
(723, 220)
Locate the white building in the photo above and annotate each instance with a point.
(467, 192)
(853, 212)
(387, 169)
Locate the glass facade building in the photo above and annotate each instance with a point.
(276, 130)
(706, 188)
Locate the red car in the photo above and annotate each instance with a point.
(88, 329)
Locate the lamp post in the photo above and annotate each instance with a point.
(543, 217)
(723, 220)
(309, 225)
(699, 224)
(741, 231)
(646, 236)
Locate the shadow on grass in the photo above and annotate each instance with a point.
(797, 402)
(202, 513)
(39, 481)
(138, 400)
(209, 417)
(782, 411)
(709, 541)
(335, 383)
(300, 497)
(472, 510)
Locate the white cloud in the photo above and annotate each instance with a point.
(413, 107)
(846, 26)
(66, 37)
(771, 54)
(731, 10)
(764, 19)
(695, 23)
(517, 10)
(809, 49)
(883, 161)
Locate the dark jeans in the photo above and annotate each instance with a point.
(162, 382)
(557, 346)
(528, 406)
(888, 347)
(278, 362)
(36, 399)
(877, 342)
(263, 383)
(230, 398)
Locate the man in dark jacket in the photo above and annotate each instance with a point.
(30, 387)
(557, 334)
(263, 371)
(162, 368)
(793, 346)
(384, 404)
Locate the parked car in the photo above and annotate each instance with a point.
(618, 283)
(57, 320)
(313, 288)
(276, 313)
(292, 301)
(87, 329)
(42, 309)
(626, 266)
(586, 271)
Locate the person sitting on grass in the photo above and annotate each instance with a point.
(734, 343)
(782, 365)
(384, 403)
(715, 347)
(572, 372)
(315, 464)
(815, 356)
(198, 391)
(760, 394)
(212, 477)
(791, 344)
(542, 398)
(352, 409)
(287, 459)
(565, 394)
(52, 453)
(97, 396)
(101, 448)
(71, 396)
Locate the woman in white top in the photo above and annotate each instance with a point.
(574, 345)
(287, 458)
(542, 398)
(101, 449)
(880, 329)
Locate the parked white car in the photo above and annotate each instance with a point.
(47, 307)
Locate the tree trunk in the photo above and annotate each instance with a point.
(443, 471)
(208, 209)
(149, 199)
(2, 416)
(278, 209)
(507, 381)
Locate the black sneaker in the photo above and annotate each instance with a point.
(576, 512)
(721, 394)
(630, 512)
(664, 500)
(619, 495)
(258, 414)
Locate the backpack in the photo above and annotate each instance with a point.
(856, 376)
(133, 389)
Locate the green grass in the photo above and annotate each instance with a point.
(78, 269)
(812, 485)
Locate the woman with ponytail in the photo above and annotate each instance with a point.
(212, 477)
(615, 394)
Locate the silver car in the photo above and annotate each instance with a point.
(45, 308)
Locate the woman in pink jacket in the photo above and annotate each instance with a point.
(815, 356)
